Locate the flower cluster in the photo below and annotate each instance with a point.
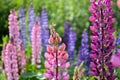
(71, 45)
(56, 59)
(36, 44)
(102, 39)
(13, 55)
(22, 26)
(118, 3)
(44, 27)
(83, 54)
(31, 20)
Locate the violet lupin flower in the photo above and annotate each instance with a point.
(31, 20)
(44, 27)
(36, 44)
(22, 26)
(118, 40)
(66, 32)
(83, 55)
(102, 39)
(71, 45)
(56, 58)
(10, 61)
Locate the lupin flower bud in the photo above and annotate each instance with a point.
(10, 61)
(45, 30)
(36, 44)
(71, 45)
(66, 32)
(102, 39)
(22, 26)
(83, 54)
(31, 20)
(56, 58)
(78, 72)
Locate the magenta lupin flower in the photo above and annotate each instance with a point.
(36, 44)
(102, 39)
(56, 59)
(10, 61)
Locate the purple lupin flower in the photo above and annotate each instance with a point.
(118, 40)
(83, 55)
(31, 20)
(22, 26)
(45, 30)
(66, 32)
(36, 44)
(102, 39)
(71, 45)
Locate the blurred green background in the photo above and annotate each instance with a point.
(76, 11)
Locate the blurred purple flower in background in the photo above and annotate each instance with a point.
(66, 32)
(45, 28)
(118, 40)
(31, 20)
(102, 39)
(71, 45)
(22, 26)
(83, 55)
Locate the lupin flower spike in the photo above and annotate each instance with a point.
(13, 27)
(56, 58)
(9, 58)
(66, 32)
(22, 26)
(36, 44)
(71, 45)
(45, 28)
(83, 54)
(31, 19)
(102, 39)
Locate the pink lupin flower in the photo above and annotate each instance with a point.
(14, 28)
(10, 61)
(115, 59)
(56, 58)
(118, 3)
(36, 44)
